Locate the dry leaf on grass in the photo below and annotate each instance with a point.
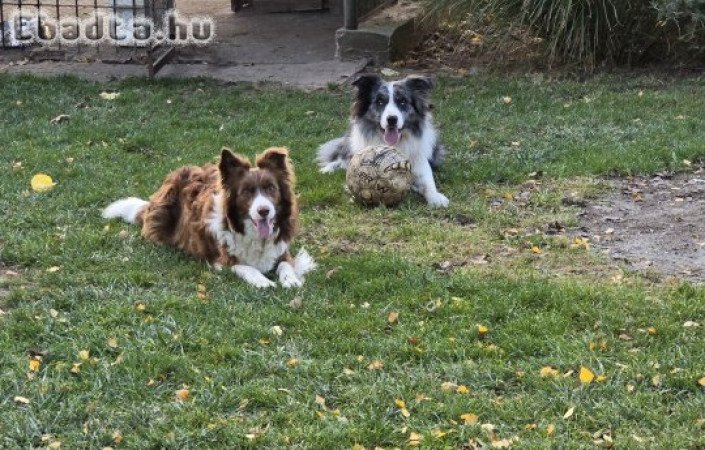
(568, 414)
(109, 95)
(61, 118)
(42, 182)
(21, 400)
(586, 376)
(469, 418)
(182, 394)
(548, 372)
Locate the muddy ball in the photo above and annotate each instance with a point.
(379, 175)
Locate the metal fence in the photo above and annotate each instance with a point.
(26, 25)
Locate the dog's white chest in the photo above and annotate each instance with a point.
(249, 250)
(262, 254)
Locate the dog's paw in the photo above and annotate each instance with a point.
(262, 283)
(290, 281)
(217, 267)
(437, 200)
(253, 276)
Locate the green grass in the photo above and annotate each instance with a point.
(541, 310)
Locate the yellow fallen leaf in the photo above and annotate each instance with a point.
(53, 269)
(75, 368)
(201, 292)
(34, 365)
(656, 380)
(550, 429)
(482, 330)
(601, 378)
(276, 330)
(405, 412)
(117, 437)
(568, 414)
(501, 443)
(415, 439)
(651, 330)
(112, 342)
(400, 403)
(140, 307)
(392, 317)
(536, 250)
(85, 355)
(292, 362)
(469, 418)
(22, 400)
(54, 445)
(263, 341)
(438, 434)
(42, 182)
(701, 381)
(320, 401)
(376, 365)
(109, 95)
(358, 447)
(548, 372)
(462, 389)
(488, 428)
(448, 386)
(586, 376)
(182, 395)
(507, 100)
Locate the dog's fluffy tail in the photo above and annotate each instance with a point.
(303, 263)
(333, 155)
(126, 209)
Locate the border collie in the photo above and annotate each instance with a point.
(232, 215)
(395, 113)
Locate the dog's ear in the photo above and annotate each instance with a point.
(364, 83)
(275, 159)
(232, 167)
(421, 87)
(419, 84)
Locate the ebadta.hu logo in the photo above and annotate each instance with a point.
(122, 27)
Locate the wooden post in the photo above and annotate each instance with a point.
(350, 12)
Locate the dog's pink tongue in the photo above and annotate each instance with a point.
(392, 136)
(264, 230)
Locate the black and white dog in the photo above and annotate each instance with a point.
(395, 113)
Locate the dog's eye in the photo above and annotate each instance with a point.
(269, 188)
(401, 101)
(380, 101)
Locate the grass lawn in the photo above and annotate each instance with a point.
(384, 349)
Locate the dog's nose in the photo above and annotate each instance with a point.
(392, 121)
(263, 212)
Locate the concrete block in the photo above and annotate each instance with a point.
(383, 38)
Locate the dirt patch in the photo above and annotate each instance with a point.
(654, 224)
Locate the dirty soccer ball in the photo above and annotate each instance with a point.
(379, 176)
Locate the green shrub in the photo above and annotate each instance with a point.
(595, 32)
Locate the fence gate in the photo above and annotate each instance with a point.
(124, 30)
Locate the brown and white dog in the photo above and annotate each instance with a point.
(232, 215)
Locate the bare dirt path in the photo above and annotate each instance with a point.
(654, 224)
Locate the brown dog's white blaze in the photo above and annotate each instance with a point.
(233, 214)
